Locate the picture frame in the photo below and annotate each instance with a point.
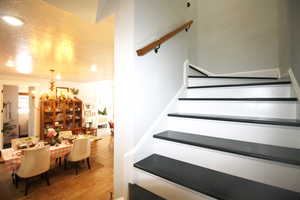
(61, 90)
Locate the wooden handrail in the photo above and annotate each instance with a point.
(157, 43)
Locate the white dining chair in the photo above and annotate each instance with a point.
(36, 162)
(81, 150)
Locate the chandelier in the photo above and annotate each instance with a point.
(52, 94)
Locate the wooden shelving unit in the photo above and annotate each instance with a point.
(62, 114)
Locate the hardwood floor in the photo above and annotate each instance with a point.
(94, 184)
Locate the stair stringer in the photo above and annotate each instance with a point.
(145, 147)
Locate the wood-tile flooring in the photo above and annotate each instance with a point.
(94, 184)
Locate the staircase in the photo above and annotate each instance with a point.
(230, 138)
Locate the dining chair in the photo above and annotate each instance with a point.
(36, 162)
(112, 127)
(81, 150)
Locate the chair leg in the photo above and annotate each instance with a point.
(59, 162)
(65, 163)
(13, 178)
(26, 186)
(17, 180)
(77, 167)
(88, 162)
(47, 178)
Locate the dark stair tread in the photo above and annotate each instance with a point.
(263, 151)
(212, 183)
(243, 119)
(197, 70)
(235, 77)
(239, 99)
(138, 193)
(241, 85)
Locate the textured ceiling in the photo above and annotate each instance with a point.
(54, 38)
(85, 9)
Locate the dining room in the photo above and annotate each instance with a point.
(57, 103)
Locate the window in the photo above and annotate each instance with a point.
(23, 104)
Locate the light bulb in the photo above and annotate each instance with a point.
(93, 68)
(14, 21)
(58, 76)
(10, 63)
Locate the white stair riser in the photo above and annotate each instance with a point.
(270, 109)
(241, 92)
(259, 133)
(222, 81)
(166, 189)
(263, 171)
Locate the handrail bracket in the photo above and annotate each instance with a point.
(188, 28)
(156, 49)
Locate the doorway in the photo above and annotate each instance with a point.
(18, 113)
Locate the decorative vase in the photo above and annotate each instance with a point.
(52, 141)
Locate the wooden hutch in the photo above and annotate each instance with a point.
(60, 114)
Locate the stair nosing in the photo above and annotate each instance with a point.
(145, 191)
(243, 119)
(239, 99)
(228, 150)
(211, 175)
(241, 85)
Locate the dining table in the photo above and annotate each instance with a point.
(13, 157)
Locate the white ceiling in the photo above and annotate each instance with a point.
(86, 9)
(54, 38)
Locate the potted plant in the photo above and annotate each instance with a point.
(104, 112)
(74, 91)
(8, 126)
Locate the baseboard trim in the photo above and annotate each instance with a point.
(294, 83)
(272, 72)
(203, 71)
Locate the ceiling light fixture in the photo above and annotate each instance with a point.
(52, 93)
(58, 76)
(10, 63)
(93, 68)
(14, 21)
(24, 63)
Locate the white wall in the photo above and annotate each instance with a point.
(295, 37)
(294, 6)
(106, 8)
(236, 36)
(94, 93)
(145, 85)
(99, 95)
(158, 76)
(124, 92)
(284, 37)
